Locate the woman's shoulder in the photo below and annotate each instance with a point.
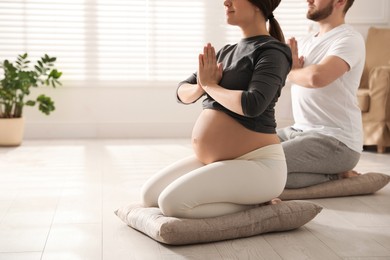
(272, 43)
(274, 47)
(228, 47)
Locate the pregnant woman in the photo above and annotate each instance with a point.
(238, 162)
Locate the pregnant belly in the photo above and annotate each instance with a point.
(216, 136)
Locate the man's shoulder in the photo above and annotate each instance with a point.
(350, 37)
(348, 31)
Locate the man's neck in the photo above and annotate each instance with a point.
(327, 25)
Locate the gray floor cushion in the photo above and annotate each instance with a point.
(286, 215)
(360, 185)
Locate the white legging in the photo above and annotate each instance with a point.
(190, 189)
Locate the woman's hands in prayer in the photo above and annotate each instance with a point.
(209, 72)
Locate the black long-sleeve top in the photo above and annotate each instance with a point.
(259, 66)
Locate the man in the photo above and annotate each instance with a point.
(325, 142)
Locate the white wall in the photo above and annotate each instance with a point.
(151, 112)
(92, 112)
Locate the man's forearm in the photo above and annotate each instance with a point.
(308, 77)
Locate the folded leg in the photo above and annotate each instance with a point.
(224, 187)
(313, 158)
(153, 187)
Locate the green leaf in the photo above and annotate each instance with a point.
(55, 74)
(30, 103)
(57, 82)
(46, 105)
(38, 69)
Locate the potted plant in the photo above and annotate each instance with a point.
(16, 86)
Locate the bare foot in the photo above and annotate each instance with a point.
(272, 202)
(349, 174)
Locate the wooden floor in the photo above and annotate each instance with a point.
(57, 200)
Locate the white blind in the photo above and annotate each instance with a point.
(124, 42)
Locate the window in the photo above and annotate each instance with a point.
(124, 42)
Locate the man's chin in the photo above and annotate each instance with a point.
(312, 17)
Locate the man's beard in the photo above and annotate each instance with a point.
(319, 15)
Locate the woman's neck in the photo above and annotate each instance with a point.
(253, 31)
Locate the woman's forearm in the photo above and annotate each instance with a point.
(230, 99)
(189, 93)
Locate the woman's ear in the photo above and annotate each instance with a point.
(258, 10)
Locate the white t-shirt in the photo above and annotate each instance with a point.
(332, 110)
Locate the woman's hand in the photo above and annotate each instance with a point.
(209, 72)
(209, 76)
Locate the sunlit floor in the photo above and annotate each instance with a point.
(57, 199)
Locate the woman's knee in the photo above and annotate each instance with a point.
(169, 205)
(148, 196)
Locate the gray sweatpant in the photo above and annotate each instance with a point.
(313, 158)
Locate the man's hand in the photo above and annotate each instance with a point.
(296, 60)
(315, 75)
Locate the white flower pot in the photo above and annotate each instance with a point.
(11, 131)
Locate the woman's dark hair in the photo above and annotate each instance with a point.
(267, 7)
